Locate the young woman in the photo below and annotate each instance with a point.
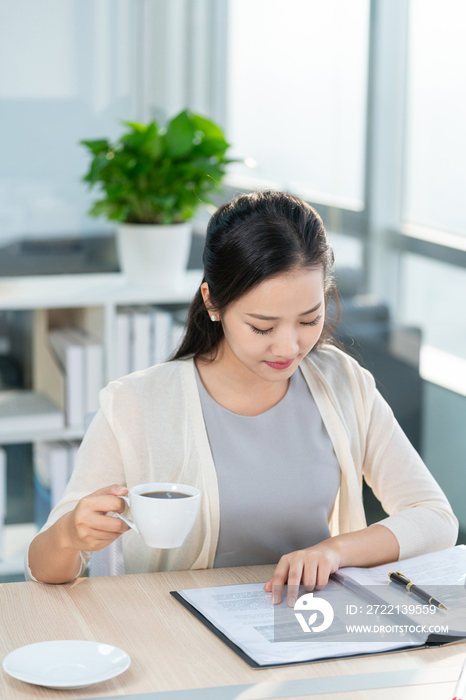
(273, 424)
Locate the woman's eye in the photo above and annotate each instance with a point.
(258, 330)
(313, 323)
(268, 330)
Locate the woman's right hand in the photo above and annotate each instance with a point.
(89, 528)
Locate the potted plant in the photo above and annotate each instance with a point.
(152, 180)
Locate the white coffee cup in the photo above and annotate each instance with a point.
(163, 523)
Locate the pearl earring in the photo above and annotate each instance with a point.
(213, 318)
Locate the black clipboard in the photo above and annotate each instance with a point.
(433, 640)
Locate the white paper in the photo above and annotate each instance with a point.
(441, 574)
(447, 567)
(245, 614)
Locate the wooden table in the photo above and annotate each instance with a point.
(169, 648)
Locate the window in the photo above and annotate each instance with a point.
(433, 295)
(296, 101)
(68, 72)
(436, 134)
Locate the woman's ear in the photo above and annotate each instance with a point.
(205, 292)
(206, 297)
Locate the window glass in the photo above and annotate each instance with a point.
(433, 295)
(436, 134)
(297, 94)
(67, 72)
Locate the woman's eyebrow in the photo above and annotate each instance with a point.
(275, 318)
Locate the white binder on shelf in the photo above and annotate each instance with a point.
(123, 342)
(93, 368)
(70, 354)
(141, 338)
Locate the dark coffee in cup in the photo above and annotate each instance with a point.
(166, 494)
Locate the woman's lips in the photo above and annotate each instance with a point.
(279, 365)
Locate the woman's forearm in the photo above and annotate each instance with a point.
(372, 546)
(51, 557)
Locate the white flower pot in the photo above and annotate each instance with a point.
(154, 255)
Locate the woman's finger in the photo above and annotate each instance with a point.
(106, 504)
(108, 523)
(279, 579)
(109, 489)
(294, 579)
(310, 573)
(323, 572)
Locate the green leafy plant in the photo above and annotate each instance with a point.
(153, 175)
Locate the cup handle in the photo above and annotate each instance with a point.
(122, 517)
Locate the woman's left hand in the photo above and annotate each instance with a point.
(311, 567)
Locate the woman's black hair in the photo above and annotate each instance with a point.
(249, 239)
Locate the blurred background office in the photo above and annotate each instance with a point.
(357, 106)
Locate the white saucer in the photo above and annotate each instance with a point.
(66, 664)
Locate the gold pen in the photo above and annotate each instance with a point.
(403, 580)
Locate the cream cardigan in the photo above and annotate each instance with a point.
(150, 428)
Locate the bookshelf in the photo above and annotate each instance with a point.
(86, 301)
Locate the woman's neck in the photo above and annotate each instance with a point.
(235, 387)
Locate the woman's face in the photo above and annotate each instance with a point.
(271, 328)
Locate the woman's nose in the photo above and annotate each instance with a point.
(286, 345)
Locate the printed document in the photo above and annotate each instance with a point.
(273, 635)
